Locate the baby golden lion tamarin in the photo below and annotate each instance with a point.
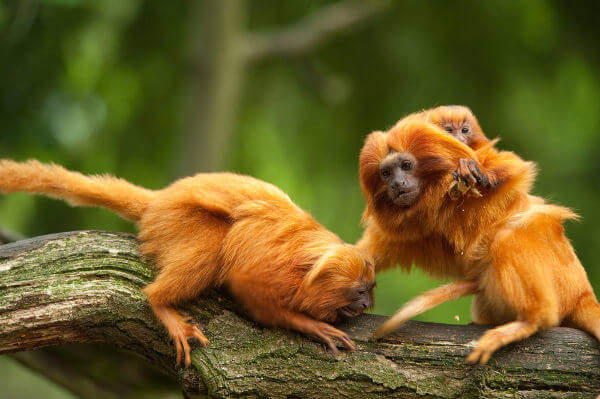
(493, 168)
(224, 230)
(507, 248)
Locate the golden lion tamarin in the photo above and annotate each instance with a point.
(224, 230)
(507, 248)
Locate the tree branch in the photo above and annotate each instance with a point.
(311, 32)
(85, 287)
(82, 369)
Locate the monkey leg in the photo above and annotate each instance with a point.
(498, 337)
(175, 285)
(586, 315)
(424, 302)
(264, 303)
(517, 282)
(187, 254)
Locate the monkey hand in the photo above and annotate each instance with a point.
(470, 174)
(328, 333)
(467, 176)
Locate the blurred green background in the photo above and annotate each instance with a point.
(150, 91)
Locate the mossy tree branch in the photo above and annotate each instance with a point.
(84, 287)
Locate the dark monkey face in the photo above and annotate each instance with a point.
(397, 171)
(339, 285)
(361, 299)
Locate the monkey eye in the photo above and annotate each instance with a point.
(465, 130)
(448, 129)
(385, 172)
(406, 165)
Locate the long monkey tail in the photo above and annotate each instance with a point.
(126, 199)
(424, 302)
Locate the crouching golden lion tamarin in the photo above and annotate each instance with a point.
(224, 230)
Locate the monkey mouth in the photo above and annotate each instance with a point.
(404, 198)
(348, 313)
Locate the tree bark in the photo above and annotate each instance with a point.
(84, 287)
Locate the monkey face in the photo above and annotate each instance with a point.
(339, 285)
(405, 172)
(458, 121)
(397, 173)
(461, 130)
(360, 297)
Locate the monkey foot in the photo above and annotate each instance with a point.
(491, 341)
(469, 173)
(180, 329)
(498, 337)
(185, 331)
(328, 333)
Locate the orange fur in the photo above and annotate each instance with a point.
(496, 166)
(508, 247)
(224, 230)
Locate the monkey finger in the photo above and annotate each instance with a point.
(334, 331)
(178, 348)
(186, 351)
(485, 357)
(481, 178)
(474, 356)
(342, 336)
(348, 343)
(466, 172)
(462, 178)
(330, 344)
(469, 178)
(201, 337)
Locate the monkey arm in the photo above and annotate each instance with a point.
(267, 305)
(426, 301)
(494, 169)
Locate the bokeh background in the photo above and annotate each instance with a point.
(287, 91)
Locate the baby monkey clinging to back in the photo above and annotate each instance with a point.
(224, 230)
(494, 167)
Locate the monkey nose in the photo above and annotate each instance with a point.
(397, 186)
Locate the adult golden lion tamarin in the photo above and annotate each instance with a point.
(224, 230)
(507, 248)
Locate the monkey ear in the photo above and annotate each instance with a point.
(320, 270)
